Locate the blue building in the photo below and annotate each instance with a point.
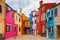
(50, 23)
(31, 16)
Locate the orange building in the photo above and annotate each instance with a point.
(2, 16)
(22, 21)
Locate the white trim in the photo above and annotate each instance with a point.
(47, 33)
(50, 13)
(10, 27)
(48, 10)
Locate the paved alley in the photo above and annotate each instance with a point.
(29, 37)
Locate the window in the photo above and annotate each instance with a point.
(19, 29)
(48, 14)
(32, 22)
(43, 29)
(56, 12)
(50, 18)
(47, 19)
(15, 29)
(35, 21)
(16, 17)
(12, 15)
(7, 28)
(43, 8)
(43, 17)
(26, 23)
(19, 19)
(50, 29)
(51, 14)
(0, 9)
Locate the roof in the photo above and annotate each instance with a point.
(10, 7)
(34, 11)
(55, 6)
(58, 4)
(45, 4)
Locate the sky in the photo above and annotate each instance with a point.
(27, 5)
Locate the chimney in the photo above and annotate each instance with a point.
(20, 10)
(41, 3)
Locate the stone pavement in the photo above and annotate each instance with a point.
(29, 37)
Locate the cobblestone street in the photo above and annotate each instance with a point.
(29, 37)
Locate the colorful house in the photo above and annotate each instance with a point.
(10, 26)
(17, 21)
(27, 25)
(22, 21)
(2, 16)
(57, 21)
(50, 23)
(41, 16)
(34, 25)
(30, 16)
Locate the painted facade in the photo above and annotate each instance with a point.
(42, 21)
(31, 16)
(22, 21)
(34, 25)
(2, 16)
(27, 22)
(18, 21)
(34, 18)
(10, 26)
(57, 21)
(50, 23)
(27, 25)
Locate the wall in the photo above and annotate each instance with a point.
(2, 16)
(10, 21)
(17, 16)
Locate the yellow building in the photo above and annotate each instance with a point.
(27, 22)
(18, 22)
(2, 15)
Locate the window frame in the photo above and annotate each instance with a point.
(43, 8)
(19, 19)
(0, 9)
(13, 15)
(19, 29)
(56, 9)
(9, 27)
(14, 28)
(50, 29)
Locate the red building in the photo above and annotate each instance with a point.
(41, 22)
(23, 23)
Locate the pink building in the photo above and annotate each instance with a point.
(34, 19)
(11, 29)
(34, 26)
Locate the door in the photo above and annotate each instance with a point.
(58, 31)
(0, 28)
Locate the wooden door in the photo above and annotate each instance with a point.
(58, 31)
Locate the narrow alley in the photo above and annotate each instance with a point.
(29, 20)
(29, 37)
